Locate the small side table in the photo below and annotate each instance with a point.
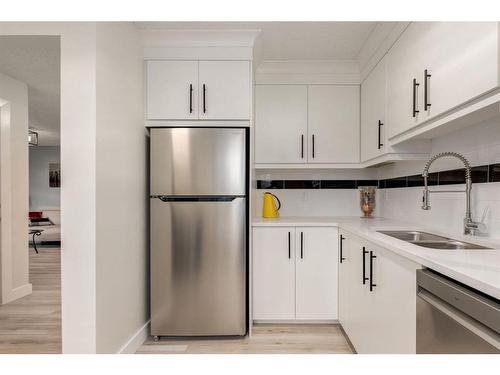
(35, 232)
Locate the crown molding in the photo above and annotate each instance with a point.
(307, 72)
(198, 44)
(380, 41)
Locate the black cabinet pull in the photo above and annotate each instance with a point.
(380, 144)
(289, 246)
(415, 85)
(364, 265)
(302, 146)
(313, 146)
(301, 245)
(191, 98)
(426, 90)
(371, 271)
(204, 99)
(342, 238)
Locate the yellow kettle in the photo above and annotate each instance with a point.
(269, 209)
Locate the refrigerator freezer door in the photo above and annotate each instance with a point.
(198, 161)
(198, 268)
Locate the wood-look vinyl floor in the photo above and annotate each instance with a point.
(32, 324)
(266, 339)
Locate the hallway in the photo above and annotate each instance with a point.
(33, 324)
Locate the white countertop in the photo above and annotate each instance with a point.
(480, 269)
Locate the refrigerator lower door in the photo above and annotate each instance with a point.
(198, 267)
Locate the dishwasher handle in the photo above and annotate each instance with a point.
(480, 330)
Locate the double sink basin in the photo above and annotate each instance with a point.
(432, 241)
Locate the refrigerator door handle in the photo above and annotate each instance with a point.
(207, 198)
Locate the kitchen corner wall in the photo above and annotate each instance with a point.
(480, 144)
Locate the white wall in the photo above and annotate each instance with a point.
(14, 189)
(41, 194)
(83, 177)
(481, 145)
(122, 196)
(78, 113)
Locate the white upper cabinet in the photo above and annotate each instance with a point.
(307, 124)
(333, 124)
(193, 90)
(280, 124)
(403, 82)
(436, 68)
(172, 90)
(461, 59)
(224, 90)
(316, 273)
(373, 123)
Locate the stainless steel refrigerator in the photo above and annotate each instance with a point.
(198, 231)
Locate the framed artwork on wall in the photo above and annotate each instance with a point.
(54, 175)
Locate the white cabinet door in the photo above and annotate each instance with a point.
(172, 90)
(280, 123)
(316, 273)
(273, 273)
(394, 304)
(224, 90)
(462, 59)
(404, 62)
(333, 124)
(373, 123)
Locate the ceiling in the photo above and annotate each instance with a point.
(35, 60)
(292, 40)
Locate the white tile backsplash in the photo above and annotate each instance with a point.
(447, 209)
(313, 202)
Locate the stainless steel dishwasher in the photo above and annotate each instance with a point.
(453, 318)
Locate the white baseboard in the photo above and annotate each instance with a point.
(136, 340)
(16, 293)
(296, 322)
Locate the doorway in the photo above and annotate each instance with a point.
(30, 322)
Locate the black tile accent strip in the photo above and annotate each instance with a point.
(494, 173)
(270, 184)
(366, 183)
(398, 182)
(338, 184)
(418, 180)
(302, 184)
(480, 174)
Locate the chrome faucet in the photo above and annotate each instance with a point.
(470, 226)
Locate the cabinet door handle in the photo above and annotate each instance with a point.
(342, 238)
(204, 98)
(364, 265)
(289, 246)
(301, 245)
(313, 146)
(302, 146)
(372, 284)
(380, 144)
(191, 98)
(415, 85)
(427, 77)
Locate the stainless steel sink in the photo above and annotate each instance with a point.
(430, 240)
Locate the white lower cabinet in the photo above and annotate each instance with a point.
(274, 273)
(295, 273)
(377, 297)
(316, 273)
